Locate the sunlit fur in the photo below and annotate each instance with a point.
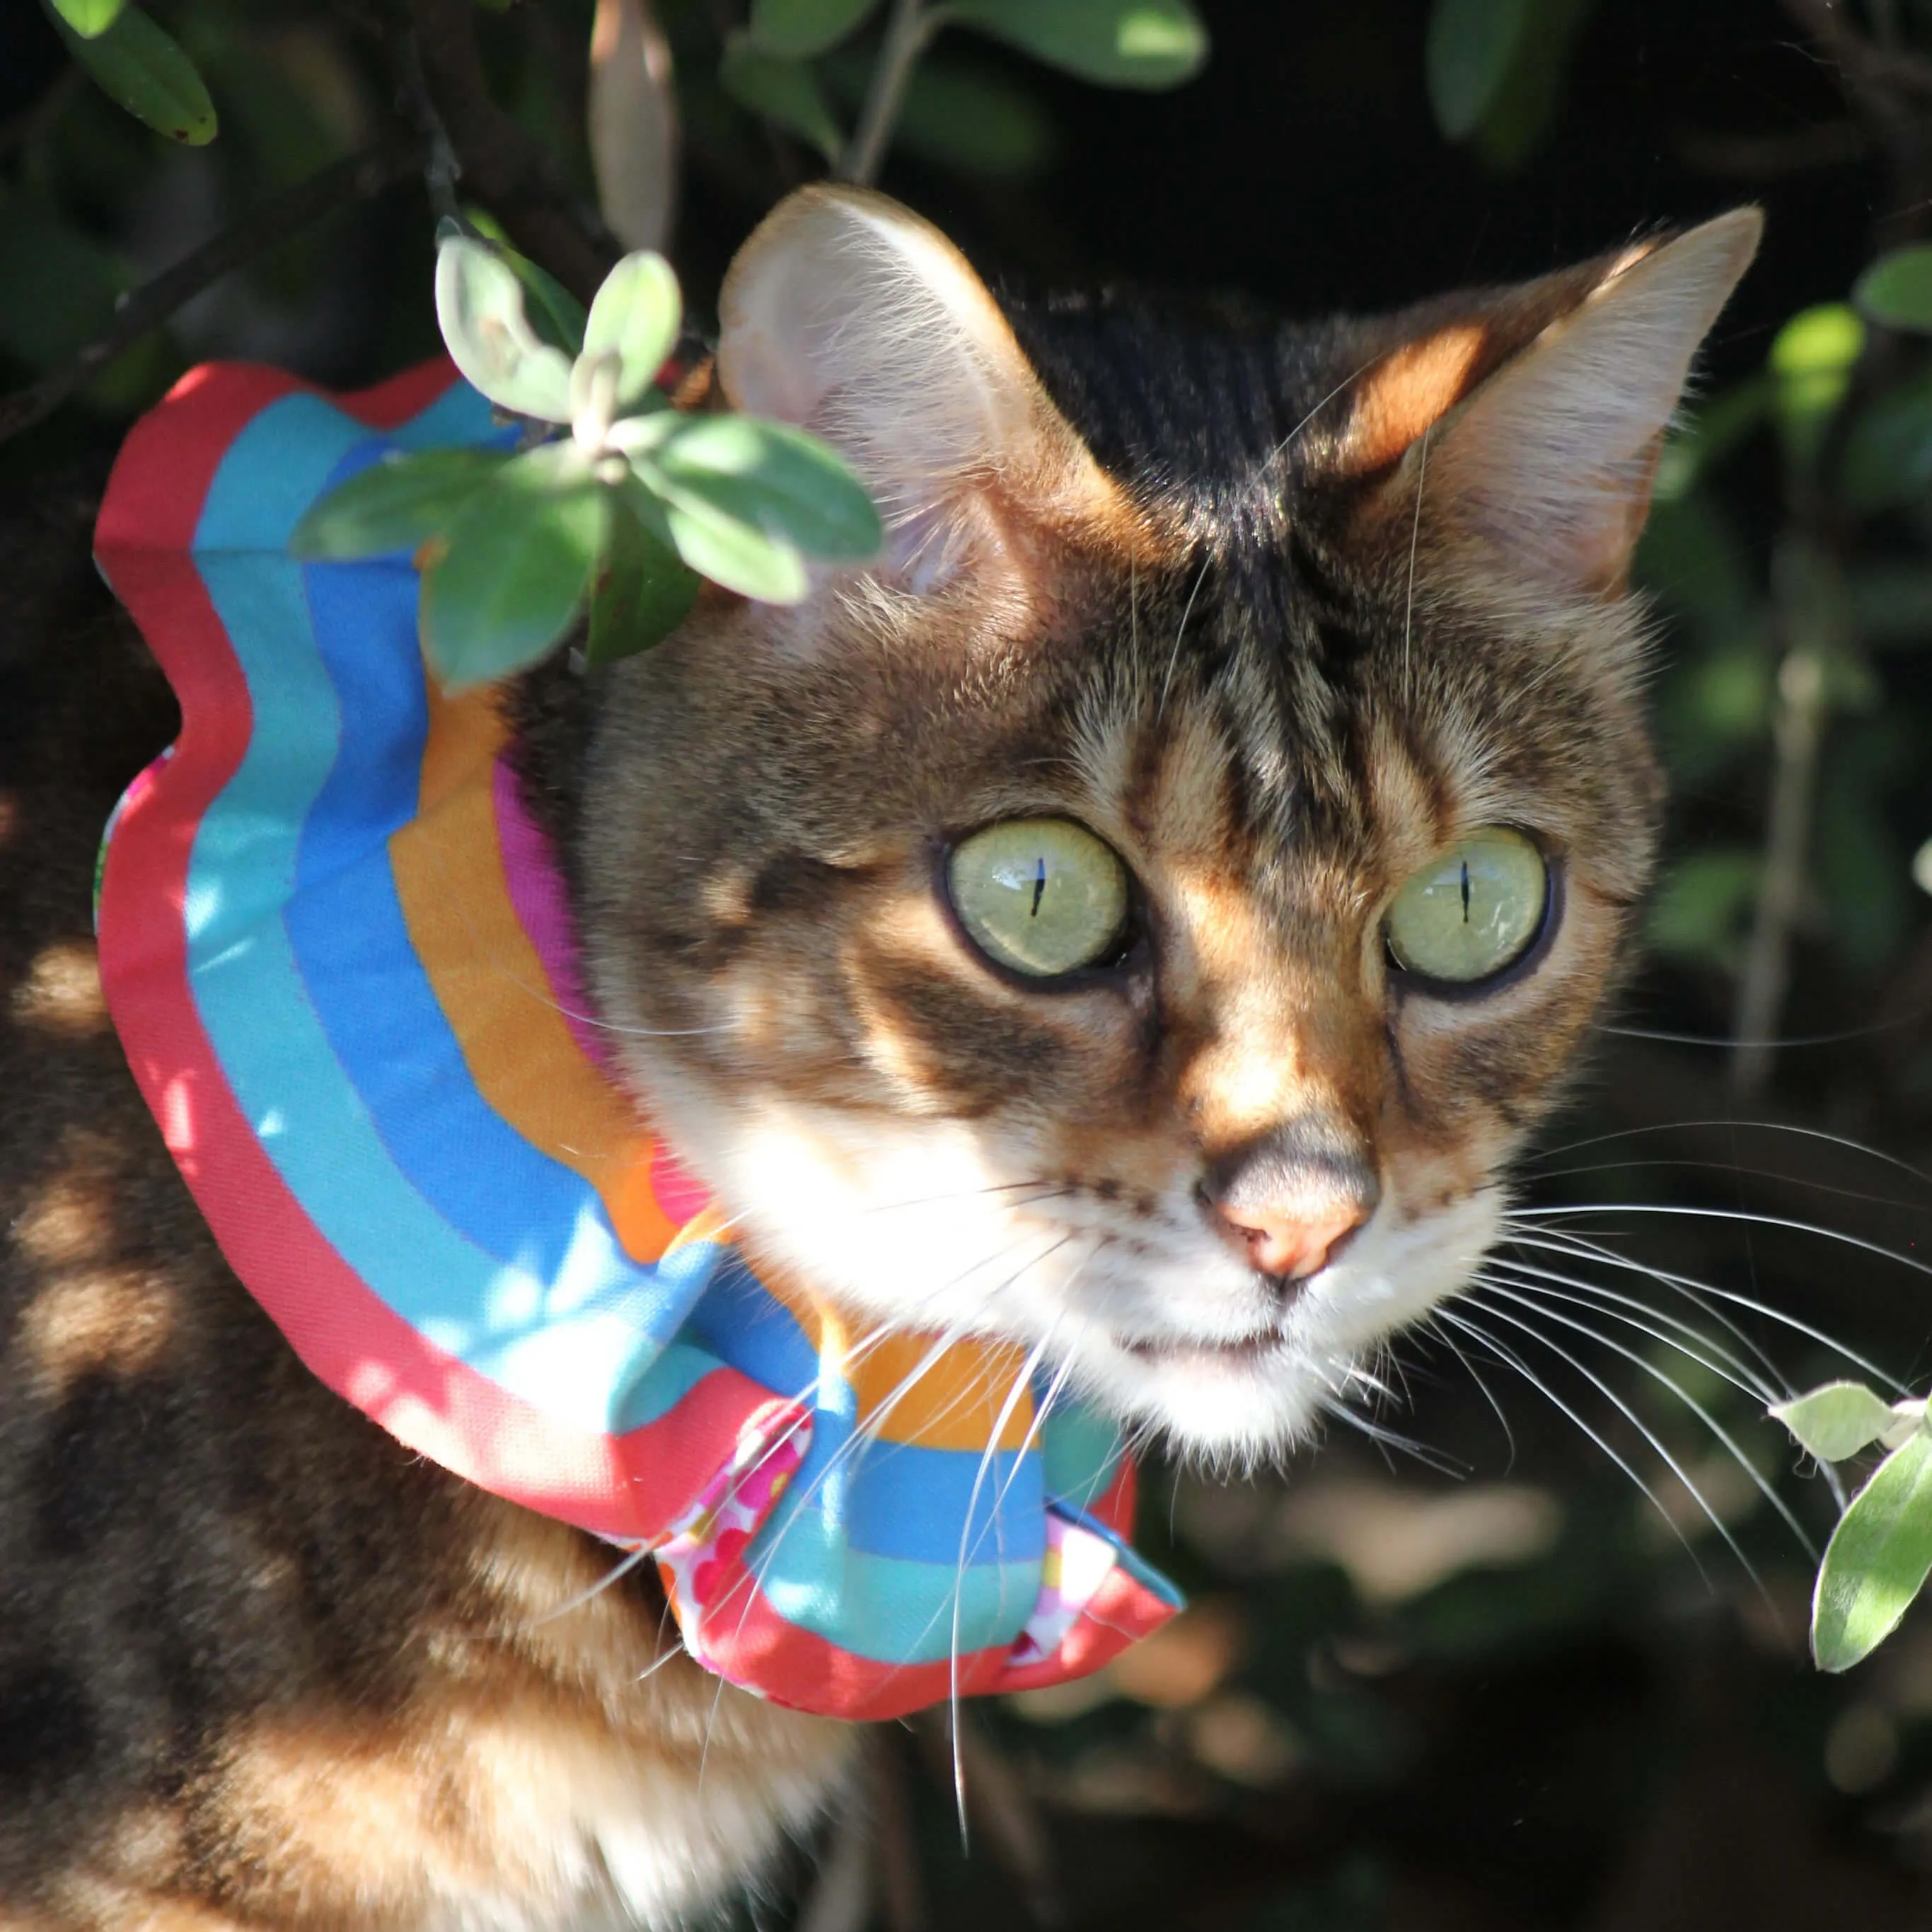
(1208, 601)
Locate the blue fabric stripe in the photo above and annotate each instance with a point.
(395, 1047)
(906, 1501)
(909, 1502)
(571, 1345)
(739, 1321)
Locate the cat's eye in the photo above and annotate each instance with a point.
(1473, 910)
(1040, 896)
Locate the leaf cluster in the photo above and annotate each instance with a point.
(611, 494)
(1880, 1554)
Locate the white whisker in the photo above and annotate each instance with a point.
(1539, 1300)
(1510, 1358)
(1630, 1415)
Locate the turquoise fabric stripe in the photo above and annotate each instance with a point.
(586, 1367)
(1081, 1451)
(891, 1609)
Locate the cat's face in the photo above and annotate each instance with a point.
(1142, 918)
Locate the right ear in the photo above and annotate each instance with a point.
(1524, 432)
(848, 315)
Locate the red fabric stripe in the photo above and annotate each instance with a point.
(1115, 1506)
(1123, 1611)
(745, 1639)
(345, 1333)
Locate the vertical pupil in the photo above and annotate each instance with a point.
(1039, 885)
(1466, 892)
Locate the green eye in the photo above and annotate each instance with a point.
(1471, 912)
(1041, 895)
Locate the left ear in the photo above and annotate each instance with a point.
(1545, 464)
(848, 314)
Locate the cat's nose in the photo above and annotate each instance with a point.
(1288, 1202)
(1289, 1246)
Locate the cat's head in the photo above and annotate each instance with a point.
(1141, 917)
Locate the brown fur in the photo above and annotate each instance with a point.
(1187, 586)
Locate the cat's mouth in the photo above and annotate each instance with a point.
(1239, 1351)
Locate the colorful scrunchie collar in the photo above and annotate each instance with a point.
(339, 958)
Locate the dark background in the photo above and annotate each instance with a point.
(1490, 1685)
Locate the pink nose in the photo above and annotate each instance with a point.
(1289, 1246)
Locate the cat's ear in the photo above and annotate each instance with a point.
(1530, 430)
(849, 315)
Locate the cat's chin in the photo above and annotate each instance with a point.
(1228, 1405)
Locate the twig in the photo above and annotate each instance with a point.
(355, 178)
(1796, 736)
(909, 32)
(504, 167)
(1866, 67)
(1826, 144)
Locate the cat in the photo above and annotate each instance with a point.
(1139, 918)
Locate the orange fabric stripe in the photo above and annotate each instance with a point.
(491, 983)
(956, 1399)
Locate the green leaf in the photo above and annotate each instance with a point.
(786, 93)
(479, 306)
(1896, 291)
(797, 29)
(137, 65)
(1714, 430)
(89, 19)
(558, 316)
(1522, 111)
(1471, 47)
(717, 546)
(1887, 460)
(635, 317)
(397, 503)
(60, 286)
(518, 562)
(1700, 912)
(1149, 44)
(1877, 1560)
(960, 112)
(1810, 361)
(1837, 1420)
(642, 593)
(779, 481)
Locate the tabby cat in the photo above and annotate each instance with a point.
(1139, 918)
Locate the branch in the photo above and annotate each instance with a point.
(356, 177)
(1797, 735)
(501, 165)
(908, 33)
(1868, 68)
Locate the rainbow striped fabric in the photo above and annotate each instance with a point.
(340, 960)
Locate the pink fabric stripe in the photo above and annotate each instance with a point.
(536, 895)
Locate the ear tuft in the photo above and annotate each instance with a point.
(847, 313)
